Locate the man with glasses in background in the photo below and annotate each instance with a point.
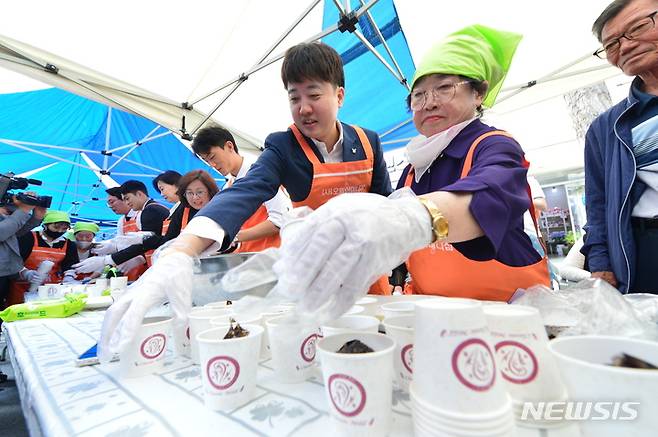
(621, 155)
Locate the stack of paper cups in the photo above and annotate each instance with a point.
(455, 385)
(228, 366)
(401, 330)
(44, 269)
(358, 386)
(525, 363)
(199, 321)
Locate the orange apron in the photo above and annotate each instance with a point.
(165, 227)
(17, 289)
(333, 178)
(440, 269)
(262, 243)
(134, 273)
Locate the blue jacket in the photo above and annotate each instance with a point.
(611, 193)
(283, 163)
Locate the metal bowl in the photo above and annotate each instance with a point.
(208, 274)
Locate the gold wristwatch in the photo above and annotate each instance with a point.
(439, 223)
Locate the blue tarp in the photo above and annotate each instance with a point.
(374, 98)
(75, 124)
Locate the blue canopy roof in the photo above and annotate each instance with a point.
(58, 137)
(375, 99)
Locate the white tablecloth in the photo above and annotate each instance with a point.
(60, 399)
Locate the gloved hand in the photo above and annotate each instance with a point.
(131, 264)
(69, 277)
(119, 242)
(33, 277)
(329, 259)
(170, 278)
(93, 264)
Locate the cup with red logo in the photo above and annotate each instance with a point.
(358, 385)
(401, 330)
(293, 349)
(199, 321)
(182, 341)
(268, 314)
(145, 354)
(454, 362)
(228, 366)
(524, 361)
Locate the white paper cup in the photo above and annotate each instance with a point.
(355, 309)
(270, 313)
(366, 301)
(401, 330)
(242, 319)
(358, 386)
(145, 354)
(228, 367)
(347, 324)
(454, 363)
(292, 348)
(583, 362)
(118, 283)
(182, 342)
(393, 309)
(220, 304)
(199, 321)
(104, 282)
(522, 356)
(48, 291)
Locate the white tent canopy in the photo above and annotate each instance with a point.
(180, 52)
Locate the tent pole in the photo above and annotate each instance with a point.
(108, 127)
(552, 73)
(144, 140)
(268, 51)
(136, 145)
(369, 46)
(386, 47)
(394, 128)
(49, 146)
(57, 158)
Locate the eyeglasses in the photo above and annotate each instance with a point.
(195, 194)
(442, 94)
(611, 48)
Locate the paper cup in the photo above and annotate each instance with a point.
(220, 304)
(358, 386)
(393, 309)
(292, 348)
(242, 319)
(347, 324)
(199, 321)
(584, 365)
(356, 309)
(228, 367)
(118, 283)
(366, 301)
(48, 291)
(520, 341)
(270, 313)
(145, 354)
(401, 330)
(182, 342)
(454, 363)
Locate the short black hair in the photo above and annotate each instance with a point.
(212, 136)
(312, 61)
(114, 191)
(610, 12)
(133, 186)
(169, 177)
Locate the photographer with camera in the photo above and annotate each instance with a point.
(13, 225)
(50, 244)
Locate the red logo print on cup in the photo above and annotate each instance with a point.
(222, 372)
(308, 348)
(517, 362)
(474, 365)
(347, 394)
(407, 356)
(153, 346)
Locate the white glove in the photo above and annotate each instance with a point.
(120, 242)
(131, 264)
(93, 264)
(329, 259)
(69, 277)
(33, 277)
(169, 278)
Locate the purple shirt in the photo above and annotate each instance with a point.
(497, 181)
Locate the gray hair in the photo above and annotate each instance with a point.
(610, 12)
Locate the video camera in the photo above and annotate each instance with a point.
(11, 182)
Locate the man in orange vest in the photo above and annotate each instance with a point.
(316, 159)
(216, 146)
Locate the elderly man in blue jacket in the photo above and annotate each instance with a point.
(621, 155)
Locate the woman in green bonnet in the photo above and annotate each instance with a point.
(470, 180)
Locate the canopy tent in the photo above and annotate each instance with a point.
(185, 52)
(78, 147)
